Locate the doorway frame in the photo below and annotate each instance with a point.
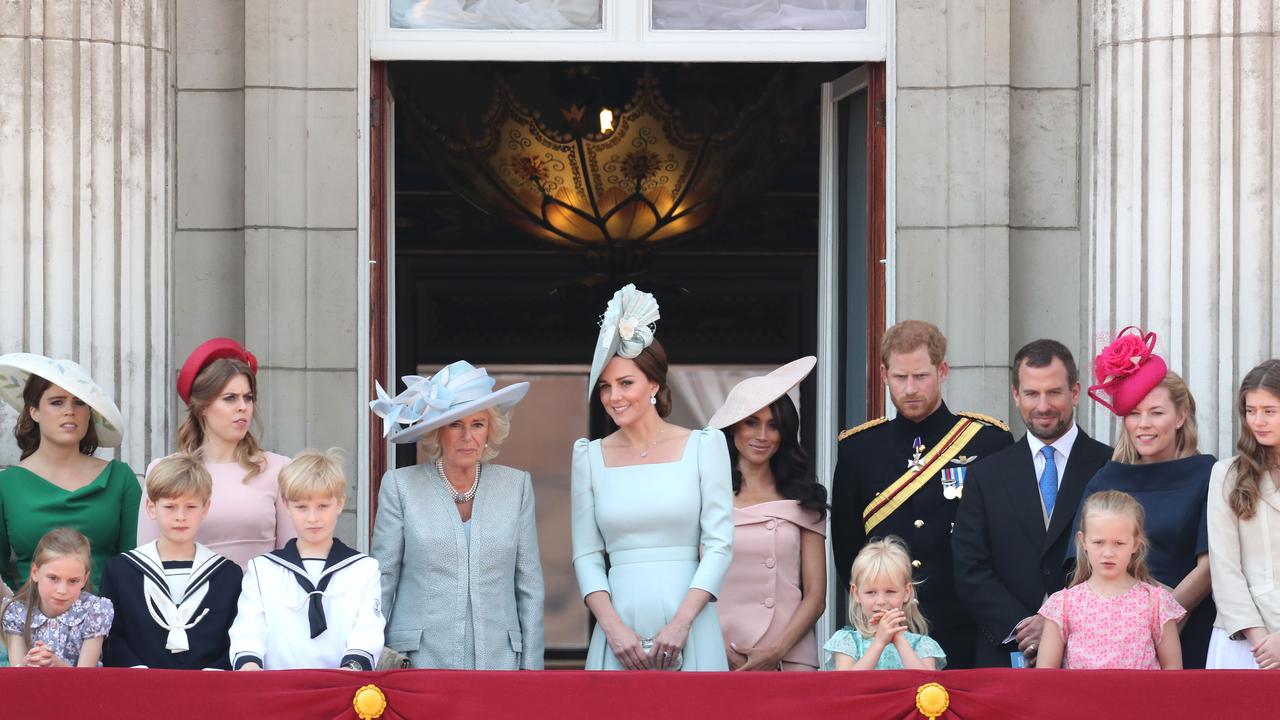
(376, 233)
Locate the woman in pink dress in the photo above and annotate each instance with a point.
(776, 586)
(1113, 615)
(247, 518)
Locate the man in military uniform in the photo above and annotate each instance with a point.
(905, 477)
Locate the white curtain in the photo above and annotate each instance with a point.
(759, 14)
(496, 14)
(696, 393)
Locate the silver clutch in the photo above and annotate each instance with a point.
(647, 644)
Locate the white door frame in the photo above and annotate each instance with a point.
(687, 46)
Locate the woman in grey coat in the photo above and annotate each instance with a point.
(455, 536)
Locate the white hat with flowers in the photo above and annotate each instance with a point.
(16, 368)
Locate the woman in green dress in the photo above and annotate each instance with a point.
(63, 417)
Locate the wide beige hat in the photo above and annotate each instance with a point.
(16, 368)
(758, 392)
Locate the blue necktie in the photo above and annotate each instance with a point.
(1048, 480)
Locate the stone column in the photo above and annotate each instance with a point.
(1185, 237)
(84, 199)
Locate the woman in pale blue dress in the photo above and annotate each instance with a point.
(657, 500)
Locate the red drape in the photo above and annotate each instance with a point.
(888, 695)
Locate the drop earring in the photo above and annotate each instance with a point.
(653, 399)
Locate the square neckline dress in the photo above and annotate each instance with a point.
(651, 520)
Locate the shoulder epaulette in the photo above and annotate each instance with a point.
(860, 428)
(986, 419)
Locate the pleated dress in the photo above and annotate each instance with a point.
(666, 528)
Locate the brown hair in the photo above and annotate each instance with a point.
(205, 390)
(27, 430)
(177, 476)
(652, 361)
(908, 335)
(1040, 354)
(1253, 459)
(1116, 503)
(56, 544)
(1187, 438)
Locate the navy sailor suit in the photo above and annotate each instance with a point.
(173, 615)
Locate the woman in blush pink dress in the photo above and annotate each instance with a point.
(247, 518)
(777, 584)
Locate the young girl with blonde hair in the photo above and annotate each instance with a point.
(1113, 614)
(52, 621)
(888, 632)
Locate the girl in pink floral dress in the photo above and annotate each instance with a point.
(1112, 615)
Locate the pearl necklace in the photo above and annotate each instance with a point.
(459, 498)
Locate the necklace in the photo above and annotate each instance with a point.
(459, 498)
(654, 443)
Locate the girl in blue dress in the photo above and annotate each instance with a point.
(888, 630)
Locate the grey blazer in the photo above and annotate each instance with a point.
(429, 571)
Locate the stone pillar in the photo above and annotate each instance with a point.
(84, 200)
(1185, 237)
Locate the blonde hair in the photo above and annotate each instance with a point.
(908, 335)
(178, 476)
(56, 544)
(1186, 439)
(205, 390)
(499, 429)
(885, 558)
(1124, 505)
(314, 473)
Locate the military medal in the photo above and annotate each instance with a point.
(916, 463)
(953, 482)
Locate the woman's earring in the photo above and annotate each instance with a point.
(653, 399)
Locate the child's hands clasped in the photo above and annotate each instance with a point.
(43, 656)
(889, 624)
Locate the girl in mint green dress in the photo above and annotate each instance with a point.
(888, 631)
(63, 417)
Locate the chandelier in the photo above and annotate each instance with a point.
(638, 178)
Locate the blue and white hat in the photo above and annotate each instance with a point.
(16, 368)
(427, 403)
(626, 329)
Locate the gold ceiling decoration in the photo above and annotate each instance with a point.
(614, 193)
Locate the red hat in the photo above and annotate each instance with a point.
(1126, 370)
(210, 350)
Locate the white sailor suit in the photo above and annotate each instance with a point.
(171, 615)
(299, 612)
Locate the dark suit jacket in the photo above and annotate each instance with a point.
(1006, 562)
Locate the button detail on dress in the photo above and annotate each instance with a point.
(768, 602)
(768, 562)
(770, 525)
(919, 523)
(916, 563)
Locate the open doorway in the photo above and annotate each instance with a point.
(740, 293)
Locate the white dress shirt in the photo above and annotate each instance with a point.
(1061, 451)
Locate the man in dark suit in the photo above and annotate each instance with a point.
(1014, 522)
(904, 476)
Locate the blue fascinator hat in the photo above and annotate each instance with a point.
(427, 403)
(626, 329)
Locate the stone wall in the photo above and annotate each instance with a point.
(991, 101)
(85, 119)
(267, 193)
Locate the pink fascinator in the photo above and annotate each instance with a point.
(1126, 370)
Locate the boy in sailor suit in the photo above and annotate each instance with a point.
(315, 603)
(175, 598)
